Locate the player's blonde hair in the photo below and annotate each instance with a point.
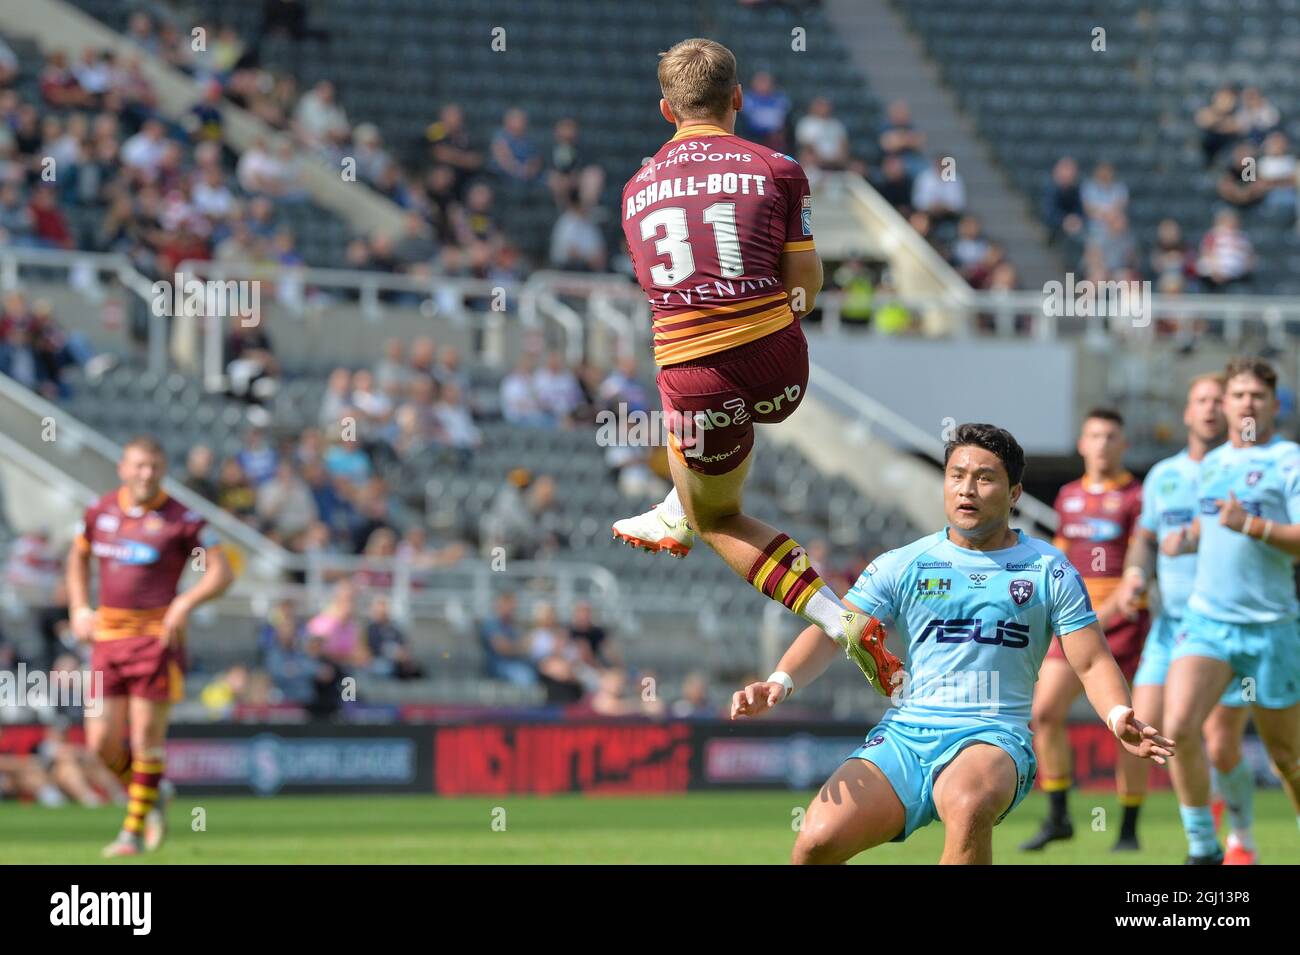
(697, 77)
(1215, 376)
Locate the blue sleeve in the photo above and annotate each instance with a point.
(1290, 471)
(876, 590)
(1070, 606)
(1148, 519)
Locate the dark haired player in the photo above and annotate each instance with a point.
(142, 541)
(976, 606)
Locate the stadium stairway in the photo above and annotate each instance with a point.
(895, 65)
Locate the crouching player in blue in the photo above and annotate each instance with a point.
(976, 606)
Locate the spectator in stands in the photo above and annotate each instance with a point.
(257, 458)
(475, 222)
(377, 570)
(621, 386)
(822, 139)
(895, 185)
(416, 251)
(766, 113)
(1062, 210)
(694, 702)
(1227, 257)
(234, 492)
(1219, 123)
(337, 401)
(336, 624)
(557, 389)
(1102, 195)
(293, 672)
(520, 402)
(450, 370)
(1171, 255)
(49, 223)
(17, 221)
(939, 191)
(319, 119)
(198, 472)
(59, 86)
(505, 655)
(327, 678)
(1256, 116)
(1239, 182)
(1113, 249)
(616, 697)
(1277, 175)
(556, 657)
(390, 653)
(899, 137)
(346, 457)
(332, 506)
(203, 120)
(514, 155)
(595, 648)
(971, 244)
(144, 151)
(576, 242)
(570, 177)
(372, 160)
(251, 365)
(372, 405)
(285, 505)
(452, 149)
(454, 423)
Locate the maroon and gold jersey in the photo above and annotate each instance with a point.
(1095, 521)
(707, 219)
(142, 552)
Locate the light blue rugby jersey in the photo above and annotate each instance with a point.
(975, 625)
(1169, 501)
(1240, 579)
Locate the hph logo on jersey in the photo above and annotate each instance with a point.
(1021, 591)
(133, 909)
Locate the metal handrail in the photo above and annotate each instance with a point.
(875, 414)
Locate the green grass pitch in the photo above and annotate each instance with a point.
(717, 828)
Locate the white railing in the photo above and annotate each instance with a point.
(872, 416)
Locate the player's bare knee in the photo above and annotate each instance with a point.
(815, 845)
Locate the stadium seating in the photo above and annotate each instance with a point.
(1027, 74)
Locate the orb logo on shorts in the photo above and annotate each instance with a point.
(1021, 591)
(736, 413)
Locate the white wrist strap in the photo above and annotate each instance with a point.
(780, 676)
(1117, 711)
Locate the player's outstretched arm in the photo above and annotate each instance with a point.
(806, 660)
(217, 578)
(1091, 659)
